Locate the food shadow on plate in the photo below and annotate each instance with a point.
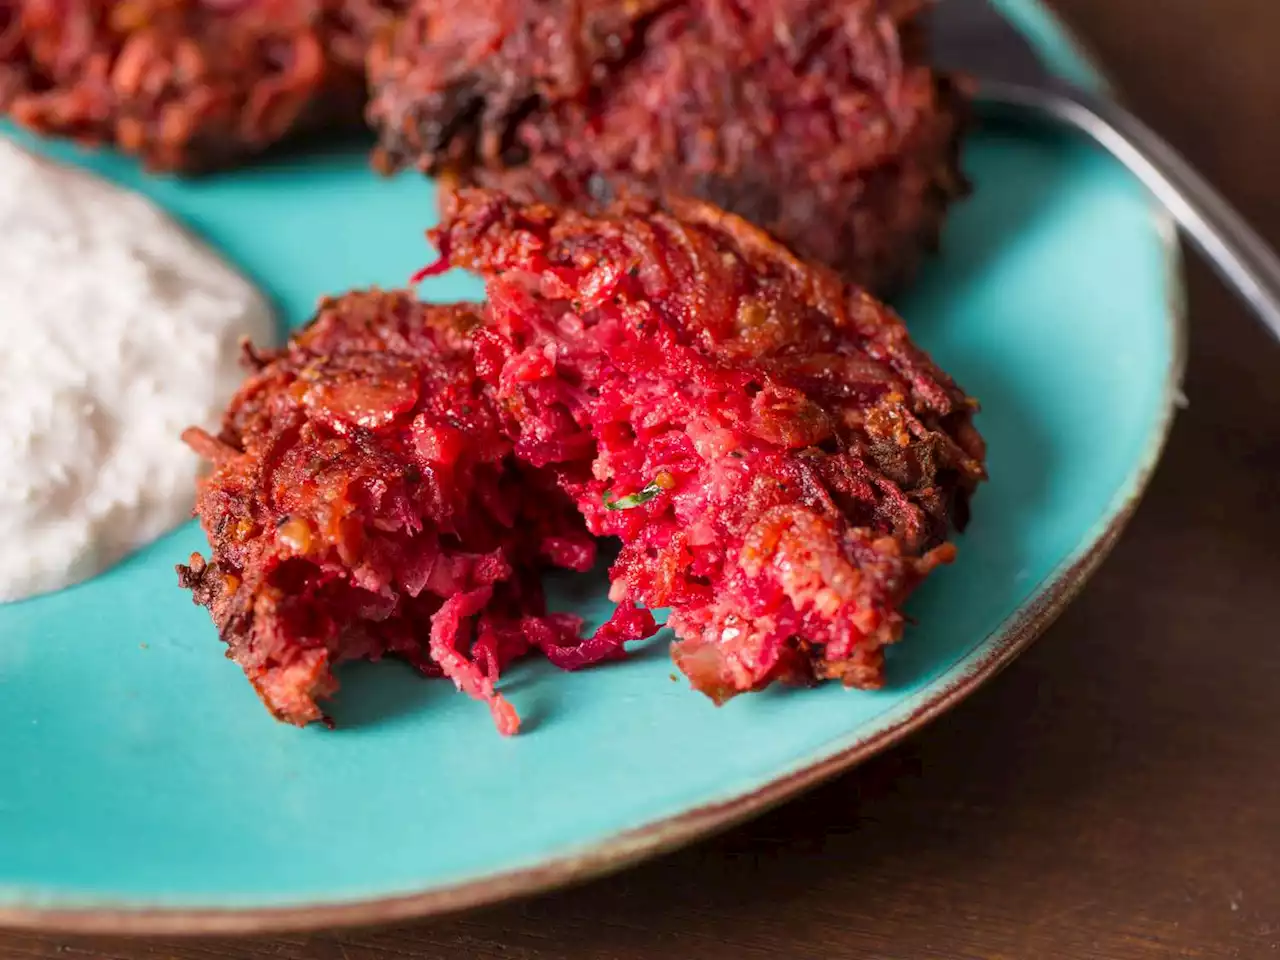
(1015, 173)
(993, 555)
(306, 151)
(1021, 180)
(376, 693)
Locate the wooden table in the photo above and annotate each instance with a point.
(1116, 793)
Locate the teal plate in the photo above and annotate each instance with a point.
(144, 789)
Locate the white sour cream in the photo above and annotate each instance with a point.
(118, 330)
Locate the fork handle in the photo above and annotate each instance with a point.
(1239, 254)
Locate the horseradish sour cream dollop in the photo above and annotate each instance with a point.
(117, 331)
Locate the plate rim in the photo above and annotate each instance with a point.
(629, 847)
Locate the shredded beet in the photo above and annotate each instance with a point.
(187, 85)
(820, 121)
(781, 463)
(364, 502)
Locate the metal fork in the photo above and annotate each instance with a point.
(972, 37)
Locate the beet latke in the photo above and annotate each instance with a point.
(363, 502)
(781, 462)
(822, 122)
(186, 85)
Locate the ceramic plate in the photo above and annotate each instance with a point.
(144, 788)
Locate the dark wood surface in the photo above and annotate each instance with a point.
(1114, 794)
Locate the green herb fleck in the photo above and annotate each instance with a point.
(631, 500)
